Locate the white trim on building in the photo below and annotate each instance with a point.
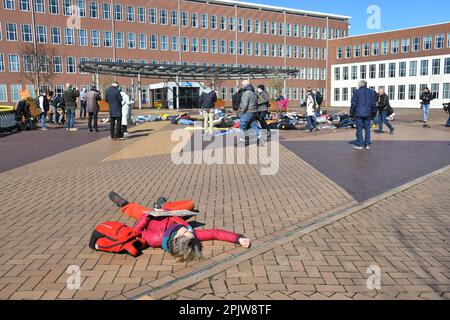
(403, 89)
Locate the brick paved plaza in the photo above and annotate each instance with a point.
(329, 214)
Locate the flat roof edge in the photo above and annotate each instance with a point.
(274, 8)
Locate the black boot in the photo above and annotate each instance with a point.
(159, 203)
(118, 200)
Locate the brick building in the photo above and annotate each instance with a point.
(215, 32)
(403, 62)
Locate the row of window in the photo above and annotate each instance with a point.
(129, 13)
(143, 41)
(400, 92)
(401, 69)
(56, 64)
(393, 47)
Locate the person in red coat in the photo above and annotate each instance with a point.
(174, 234)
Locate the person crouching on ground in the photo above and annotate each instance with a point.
(127, 105)
(173, 234)
(363, 110)
(383, 105)
(208, 101)
(248, 109)
(311, 109)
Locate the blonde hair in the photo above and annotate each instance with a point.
(186, 249)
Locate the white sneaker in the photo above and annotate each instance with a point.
(44, 129)
(73, 129)
(126, 133)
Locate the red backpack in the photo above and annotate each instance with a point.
(116, 237)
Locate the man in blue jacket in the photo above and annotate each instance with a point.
(363, 110)
(114, 99)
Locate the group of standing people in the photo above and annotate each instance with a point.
(120, 105)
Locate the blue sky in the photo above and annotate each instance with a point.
(395, 14)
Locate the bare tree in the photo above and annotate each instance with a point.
(278, 84)
(38, 65)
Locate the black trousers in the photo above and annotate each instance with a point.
(115, 127)
(262, 120)
(83, 109)
(93, 118)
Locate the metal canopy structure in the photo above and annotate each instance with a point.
(185, 72)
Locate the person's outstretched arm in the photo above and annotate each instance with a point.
(222, 235)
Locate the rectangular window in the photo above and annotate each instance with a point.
(366, 51)
(194, 44)
(412, 92)
(14, 63)
(395, 46)
(71, 65)
(345, 94)
(39, 6)
(405, 45)
(11, 32)
(118, 12)
(9, 4)
(427, 43)
(248, 25)
(3, 93)
(82, 37)
(354, 72)
(15, 90)
(337, 73)
(348, 52)
(402, 69)
(439, 42)
(2, 63)
(223, 47)
(107, 39)
(382, 71)
(413, 68)
(391, 92)
(185, 44)
(401, 92)
(106, 11)
(153, 42)
(174, 42)
(174, 18)
(141, 15)
(204, 21)
(53, 6)
(93, 10)
(231, 24)
(337, 94)
(435, 90)
(345, 73)
(375, 48)
(363, 72)
(447, 66)
(214, 46)
(142, 41)
(424, 67)
(69, 37)
(436, 69)
(95, 38)
(119, 40)
(164, 42)
(163, 17)
(384, 48)
(416, 44)
(392, 70)
(184, 19)
(194, 20)
(57, 64)
(130, 11)
(446, 91)
(27, 33)
(41, 34)
(372, 71)
(205, 45)
(131, 40)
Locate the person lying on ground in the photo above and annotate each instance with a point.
(173, 234)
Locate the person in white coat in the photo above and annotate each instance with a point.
(311, 108)
(127, 104)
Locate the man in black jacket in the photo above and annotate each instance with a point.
(114, 99)
(383, 105)
(208, 101)
(426, 97)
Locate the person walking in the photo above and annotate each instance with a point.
(311, 111)
(318, 98)
(127, 104)
(83, 103)
(383, 105)
(208, 101)
(248, 109)
(92, 108)
(363, 110)
(426, 99)
(44, 107)
(114, 99)
(70, 96)
(263, 108)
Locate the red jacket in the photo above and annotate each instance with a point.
(152, 229)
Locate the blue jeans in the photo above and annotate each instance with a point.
(448, 122)
(70, 118)
(362, 124)
(43, 118)
(426, 112)
(311, 123)
(246, 120)
(382, 119)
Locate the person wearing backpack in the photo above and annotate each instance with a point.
(426, 99)
(383, 107)
(248, 109)
(173, 234)
(208, 101)
(263, 108)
